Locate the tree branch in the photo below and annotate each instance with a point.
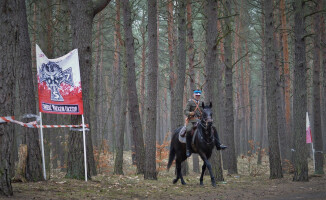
(99, 5)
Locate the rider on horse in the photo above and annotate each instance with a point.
(193, 112)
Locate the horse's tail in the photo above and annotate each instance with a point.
(171, 156)
(172, 144)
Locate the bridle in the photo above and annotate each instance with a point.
(206, 120)
(206, 124)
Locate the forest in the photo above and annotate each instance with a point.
(260, 63)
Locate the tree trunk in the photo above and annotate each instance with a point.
(133, 105)
(151, 94)
(262, 98)
(172, 68)
(33, 170)
(9, 12)
(177, 117)
(229, 127)
(299, 96)
(318, 137)
(95, 82)
(45, 31)
(271, 81)
(117, 75)
(63, 46)
(210, 66)
(143, 67)
(82, 14)
(281, 115)
(118, 163)
(286, 71)
(323, 96)
(191, 58)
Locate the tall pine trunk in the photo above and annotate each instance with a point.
(118, 162)
(287, 78)
(177, 117)
(299, 95)
(133, 105)
(318, 137)
(263, 95)
(271, 82)
(210, 66)
(33, 170)
(8, 61)
(82, 14)
(191, 59)
(323, 69)
(151, 94)
(117, 76)
(229, 127)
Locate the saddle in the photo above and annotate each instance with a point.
(182, 133)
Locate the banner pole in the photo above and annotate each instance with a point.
(42, 146)
(313, 154)
(84, 139)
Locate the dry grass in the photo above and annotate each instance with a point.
(245, 185)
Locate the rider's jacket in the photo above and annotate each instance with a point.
(193, 106)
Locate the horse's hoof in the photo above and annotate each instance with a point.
(184, 183)
(175, 181)
(214, 184)
(201, 183)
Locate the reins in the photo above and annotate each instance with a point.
(205, 129)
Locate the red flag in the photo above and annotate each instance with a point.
(308, 130)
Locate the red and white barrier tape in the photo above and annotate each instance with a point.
(35, 125)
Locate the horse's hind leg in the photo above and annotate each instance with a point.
(202, 174)
(179, 174)
(178, 168)
(181, 177)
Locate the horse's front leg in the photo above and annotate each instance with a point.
(202, 174)
(209, 167)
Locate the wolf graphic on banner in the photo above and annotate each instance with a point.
(59, 84)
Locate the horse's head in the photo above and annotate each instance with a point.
(207, 116)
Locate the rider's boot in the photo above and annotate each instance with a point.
(218, 145)
(188, 144)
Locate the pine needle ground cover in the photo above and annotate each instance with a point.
(252, 182)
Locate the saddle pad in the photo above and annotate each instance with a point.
(182, 139)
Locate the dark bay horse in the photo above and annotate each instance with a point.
(205, 138)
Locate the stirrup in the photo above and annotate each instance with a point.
(188, 153)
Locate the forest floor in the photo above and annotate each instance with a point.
(252, 182)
